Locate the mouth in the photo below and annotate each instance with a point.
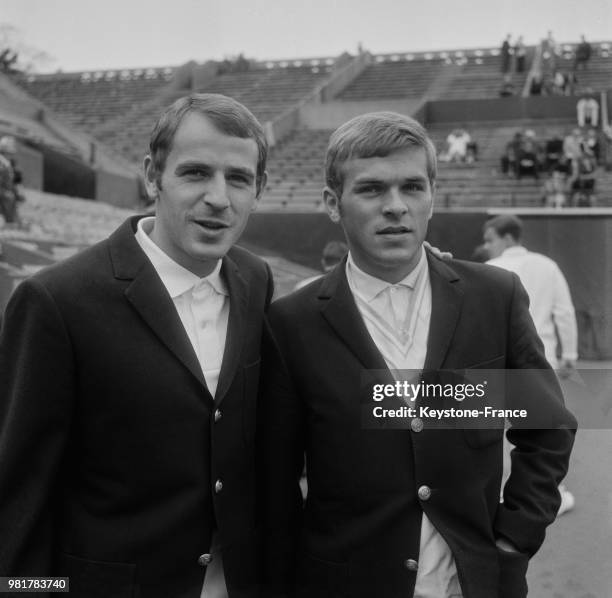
(210, 224)
(394, 230)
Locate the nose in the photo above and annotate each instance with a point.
(394, 204)
(215, 194)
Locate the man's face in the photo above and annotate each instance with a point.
(385, 208)
(494, 244)
(208, 190)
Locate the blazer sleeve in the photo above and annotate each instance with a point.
(37, 391)
(281, 462)
(540, 458)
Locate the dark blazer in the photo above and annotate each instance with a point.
(110, 444)
(358, 534)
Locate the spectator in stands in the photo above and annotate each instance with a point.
(528, 158)
(573, 146)
(509, 159)
(548, 86)
(554, 192)
(571, 83)
(587, 109)
(554, 153)
(457, 146)
(520, 52)
(10, 178)
(333, 253)
(537, 84)
(507, 88)
(128, 382)
(582, 180)
(592, 145)
(549, 53)
(506, 55)
(583, 54)
(559, 83)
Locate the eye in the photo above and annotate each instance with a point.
(195, 172)
(369, 189)
(413, 186)
(240, 180)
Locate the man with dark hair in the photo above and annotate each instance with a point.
(128, 382)
(550, 302)
(413, 511)
(583, 53)
(333, 252)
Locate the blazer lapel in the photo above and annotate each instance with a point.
(239, 298)
(149, 297)
(342, 314)
(446, 298)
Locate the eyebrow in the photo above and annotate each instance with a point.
(182, 167)
(374, 180)
(247, 172)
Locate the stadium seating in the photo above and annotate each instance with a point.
(297, 177)
(463, 74)
(88, 100)
(118, 107)
(597, 75)
(295, 171)
(268, 92)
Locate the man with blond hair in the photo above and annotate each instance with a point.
(412, 511)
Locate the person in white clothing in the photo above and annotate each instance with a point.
(550, 306)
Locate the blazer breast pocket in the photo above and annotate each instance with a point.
(249, 397)
(97, 579)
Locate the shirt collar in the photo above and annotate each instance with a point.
(175, 277)
(515, 250)
(369, 287)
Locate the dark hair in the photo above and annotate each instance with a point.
(376, 134)
(228, 115)
(333, 253)
(506, 225)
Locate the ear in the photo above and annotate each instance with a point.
(332, 204)
(433, 199)
(262, 187)
(150, 179)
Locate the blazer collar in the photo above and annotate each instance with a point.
(150, 299)
(238, 289)
(341, 312)
(338, 307)
(446, 299)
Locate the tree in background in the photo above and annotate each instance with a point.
(18, 57)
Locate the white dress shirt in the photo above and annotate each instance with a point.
(202, 304)
(397, 316)
(550, 303)
(203, 307)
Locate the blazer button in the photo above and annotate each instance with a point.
(411, 564)
(416, 424)
(218, 415)
(218, 486)
(205, 559)
(424, 492)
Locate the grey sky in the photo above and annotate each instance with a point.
(82, 34)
